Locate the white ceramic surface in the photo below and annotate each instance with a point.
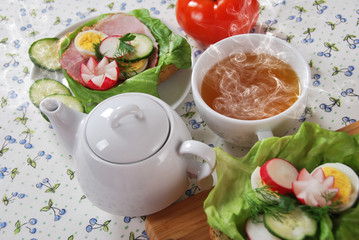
(118, 182)
(247, 132)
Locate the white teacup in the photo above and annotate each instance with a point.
(247, 132)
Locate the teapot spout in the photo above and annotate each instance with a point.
(64, 120)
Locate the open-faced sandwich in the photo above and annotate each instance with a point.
(303, 186)
(114, 53)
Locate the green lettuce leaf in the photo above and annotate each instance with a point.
(173, 49)
(226, 207)
(146, 82)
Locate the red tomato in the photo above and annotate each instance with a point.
(209, 21)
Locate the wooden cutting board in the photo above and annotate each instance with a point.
(186, 219)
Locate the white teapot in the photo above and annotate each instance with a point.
(133, 153)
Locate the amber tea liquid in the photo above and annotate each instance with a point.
(250, 86)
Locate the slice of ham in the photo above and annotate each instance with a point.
(114, 24)
(120, 24)
(71, 61)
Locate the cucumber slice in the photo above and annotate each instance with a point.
(257, 230)
(295, 225)
(44, 87)
(69, 101)
(43, 54)
(143, 46)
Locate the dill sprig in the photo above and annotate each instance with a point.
(126, 68)
(123, 47)
(96, 47)
(319, 212)
(121, 50)
(264, 201)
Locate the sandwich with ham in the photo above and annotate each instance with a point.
(117, 52)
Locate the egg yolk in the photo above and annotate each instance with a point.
(137, 66)
(341, 181)
(133, 68)
(86, 40)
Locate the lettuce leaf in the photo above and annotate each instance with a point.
(226, 207)
(146, 82)
(173, 49)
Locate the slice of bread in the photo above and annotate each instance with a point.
(167, 72)
(215, 234)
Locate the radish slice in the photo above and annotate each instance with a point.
(109, 45)
(100, 76)
(319, 174)
(91, 64)
(279, 174)
(314, 189)
(258, 231)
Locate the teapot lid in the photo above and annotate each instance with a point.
(127, 128)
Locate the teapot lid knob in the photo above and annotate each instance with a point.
(122, 111)
(127, 128)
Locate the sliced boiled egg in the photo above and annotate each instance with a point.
(346, 180)
(85, 41)
(257, 183)
(256, 180)
(131, 69)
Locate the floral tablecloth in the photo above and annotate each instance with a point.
(41, 198)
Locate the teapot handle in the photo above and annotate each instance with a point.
(204, 170)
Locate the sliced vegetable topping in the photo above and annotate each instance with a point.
(42, 53)
(44, 87)
(143, 46)
(257, 230)
(314, 189)
(47, 87)
(279, 174)
(100, 76)
(114, 47)
(294, 225)
(131, 47)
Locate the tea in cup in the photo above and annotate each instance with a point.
(251, 86)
